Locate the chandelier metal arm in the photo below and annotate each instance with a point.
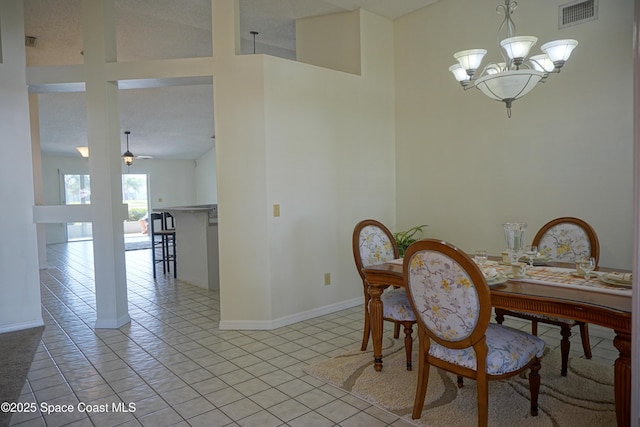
(509, 7)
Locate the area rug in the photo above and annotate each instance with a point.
(16, 354)
(583, 398)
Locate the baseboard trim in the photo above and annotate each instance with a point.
(266, 325)
(112, 324)
(22, 325)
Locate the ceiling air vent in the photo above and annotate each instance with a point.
(30, 41)
(577, 12)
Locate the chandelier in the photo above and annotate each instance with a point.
(516, 76)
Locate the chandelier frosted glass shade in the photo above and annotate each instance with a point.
(470, 59)
(542, 63)
(559, 51)
(459, 73)
(508, 85)
(517, 48)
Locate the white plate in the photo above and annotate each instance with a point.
(498, 280)
(605, 279)
(511, 276)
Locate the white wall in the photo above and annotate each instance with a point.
(464, 168)
(20, 286)
(206, 179)
(327, 137)
(330, 164)
(331, 41)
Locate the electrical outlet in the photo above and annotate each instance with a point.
(276, 210)
(327, 279)
(159, 199)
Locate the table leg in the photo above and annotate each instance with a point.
(622, 378)
(375, 316)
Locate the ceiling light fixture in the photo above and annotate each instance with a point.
(127, 157)
(83, 150)
(515, 77)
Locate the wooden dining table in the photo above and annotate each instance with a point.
(604, 309)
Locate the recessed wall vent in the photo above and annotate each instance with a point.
(577, 12)
(30, 41)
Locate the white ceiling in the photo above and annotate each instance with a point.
(174, 120)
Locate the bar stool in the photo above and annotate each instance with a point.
(163, 242)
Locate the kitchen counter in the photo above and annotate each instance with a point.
(196, 244)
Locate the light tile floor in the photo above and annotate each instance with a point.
(178, 369)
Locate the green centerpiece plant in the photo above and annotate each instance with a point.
(407, 237)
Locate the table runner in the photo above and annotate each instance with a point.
(555, 276)
(562, 277)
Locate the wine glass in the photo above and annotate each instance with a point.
(532, 252)
(588, 265)
(481, 257)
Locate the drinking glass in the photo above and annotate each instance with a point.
(481, 257)
(588, 265)
(532, 252)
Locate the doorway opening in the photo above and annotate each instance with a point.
(136, 197)
(77, 191)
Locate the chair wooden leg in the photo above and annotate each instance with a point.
(534, 386)
(460, 381)
(565, 346)
(534, 327)
(367, 325)
(396, 330)
(584, 336)
(483, 400)
(423, 375)
(408, 342)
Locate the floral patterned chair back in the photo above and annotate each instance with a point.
(567, 239)
(448, 293)
(376, 244)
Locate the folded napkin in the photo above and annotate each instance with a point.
(619, 277)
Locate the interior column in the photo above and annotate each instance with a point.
(103, 131)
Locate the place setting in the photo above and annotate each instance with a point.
(616, 279)
(584, 268)
(489, 268)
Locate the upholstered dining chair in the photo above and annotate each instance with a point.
(374, 244)
(452, 302)
(565, 239)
